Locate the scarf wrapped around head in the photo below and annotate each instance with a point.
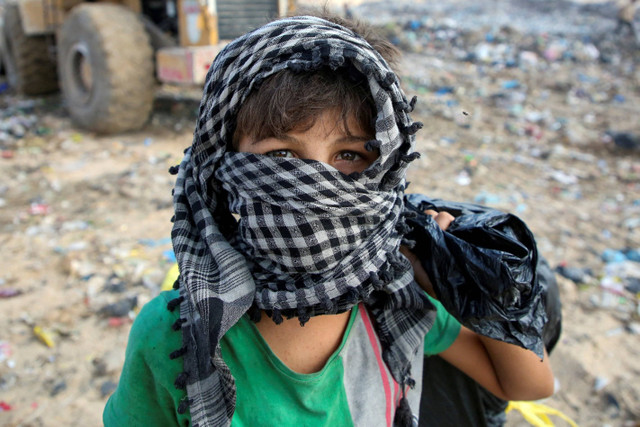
(311, 240)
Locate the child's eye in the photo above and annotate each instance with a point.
(279, 153)
(349, 156)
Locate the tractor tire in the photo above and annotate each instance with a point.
(105, 63)
(29, 66)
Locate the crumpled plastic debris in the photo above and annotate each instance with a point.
(120, 308)
(9, 292)
(575, 274)
(44, 336)
(483, 269)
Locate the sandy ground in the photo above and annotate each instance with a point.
(84, 223)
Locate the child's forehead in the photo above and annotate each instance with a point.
(332, 121)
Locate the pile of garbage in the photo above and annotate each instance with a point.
(506, 47)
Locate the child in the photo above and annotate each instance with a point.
(303, 310)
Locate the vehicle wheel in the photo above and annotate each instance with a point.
(29, 66)
(105, 62)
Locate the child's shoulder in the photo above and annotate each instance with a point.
(153, 325)
(146, 393)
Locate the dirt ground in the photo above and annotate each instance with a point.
(84, 218)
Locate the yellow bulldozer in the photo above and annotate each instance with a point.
(106, 57)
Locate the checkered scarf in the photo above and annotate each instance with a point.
(311, 240)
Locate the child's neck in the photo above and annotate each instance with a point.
(304, 349)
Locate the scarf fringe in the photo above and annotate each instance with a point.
(178, 353)
(403, 417)
(184, 405)
(174, 303)
(412, 129)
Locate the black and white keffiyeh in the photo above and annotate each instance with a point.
(310, 240)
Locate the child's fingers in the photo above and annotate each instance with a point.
(443, 219)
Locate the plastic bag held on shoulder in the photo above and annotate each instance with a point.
(483, 269)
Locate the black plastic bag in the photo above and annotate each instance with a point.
(483, 269)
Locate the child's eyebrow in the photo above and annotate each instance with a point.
(342, 140)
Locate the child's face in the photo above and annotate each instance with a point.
(326, 141)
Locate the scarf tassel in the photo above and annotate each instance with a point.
(373, 171)
(178, 353)
(408, 243)
(408, 158)
(409, 214)
(353, 295)
(403, 417)
(402, 227)
(387, 80)
(398, 263)
(405, 106)
(184, 405)
(254, 314)
(171, 305)
(178, 324)
(303, 316)
(412, 128)
(385, 276)
(412, 104)
(375, 280)
(276, 316)
(374, 144)
(327, 305)
(181, 381)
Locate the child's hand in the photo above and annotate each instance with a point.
(444, 220)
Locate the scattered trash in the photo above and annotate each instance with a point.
(9, 292)
(170, 278)
(600, 383)
(576, 274)
(44, 336)
(39, 209)
(109, 363)
(116, 322)
(120, 308)
(634, 328)
(624, 140)
(5, 351)
(107, 388)
(155, 242)
(58, 387)
(115, 284)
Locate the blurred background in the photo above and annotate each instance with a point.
(529, 106)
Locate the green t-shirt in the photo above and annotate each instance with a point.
(353, 385)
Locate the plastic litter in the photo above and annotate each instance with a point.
(537, 414)
(120, 308)
(575, 274)
(58, 388)
(170, 278)
(107, 388)
(9, 292)
(624, 140)
(44, 336)
(483, 269)
(5, 351)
